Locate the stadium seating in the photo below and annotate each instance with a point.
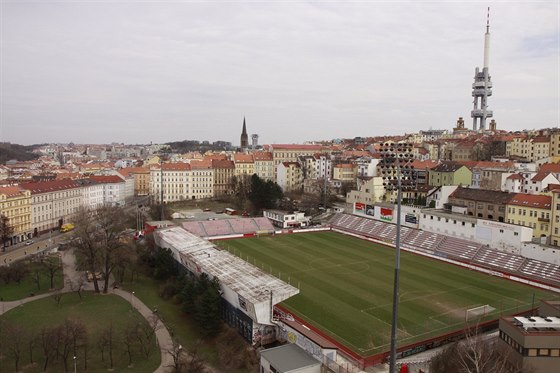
(540, 270)
(458, 248)
(499, 259)
(227, 227)
(423, 240)
(451, 247)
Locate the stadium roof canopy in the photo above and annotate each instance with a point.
(245, 279)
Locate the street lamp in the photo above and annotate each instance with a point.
(397, 175)
(74, 364)
(132, 299)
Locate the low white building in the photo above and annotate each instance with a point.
(283, 219)
(288, 358)
(92, 193)
(497, 235)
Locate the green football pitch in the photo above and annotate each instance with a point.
(346, 288)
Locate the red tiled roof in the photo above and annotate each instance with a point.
(553, 187)
(11, 191)
(421, 165)
(176, 166)
(106, 179)
(490, 164)
(531, 200)
(541, 139)
(540, 176)
(298, 147)
(515, 177)
(262, 156)
(222, 163)
(133, 170)
(201, 165)
(550, 167)
(68, 175)
(243, 158)
(49, 186)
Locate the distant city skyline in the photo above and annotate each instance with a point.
(161, 71)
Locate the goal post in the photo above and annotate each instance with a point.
(478, 312)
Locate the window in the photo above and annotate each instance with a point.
(544, 352)
(516, 233)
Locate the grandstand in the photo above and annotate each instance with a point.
(228, 227)
(249, 292)
(451, 247)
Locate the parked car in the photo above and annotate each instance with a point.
(206, 209)
(29, 242)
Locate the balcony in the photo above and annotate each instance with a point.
(544, 220)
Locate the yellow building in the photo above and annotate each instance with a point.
(15, 204)
(141, 177)
(345, 172)
(555, 221)
(290, 177)
(530, 149)
(244, 164)
(531, 211)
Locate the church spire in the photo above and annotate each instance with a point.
(244, 137)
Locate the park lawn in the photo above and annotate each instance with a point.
(97, 312)
(346, 287)
(180, 325)
(28, 286)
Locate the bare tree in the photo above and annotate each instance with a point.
(179, 358)
(106, 341)
(14, 335)
(147, 334)
(86, 244)
(57, 296)
(48, 340)
(130, 339)
(53, 265)
(77, 285)
(474, 354)
(101, 241)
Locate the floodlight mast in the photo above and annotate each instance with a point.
(396, 154)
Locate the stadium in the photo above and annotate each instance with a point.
(337, 282)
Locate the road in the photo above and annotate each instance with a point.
(40, 244)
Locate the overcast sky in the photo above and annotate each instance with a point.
(157, 71)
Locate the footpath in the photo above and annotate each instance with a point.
(164, 340)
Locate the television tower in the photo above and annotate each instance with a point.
(482, 86)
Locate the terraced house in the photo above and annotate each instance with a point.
(53, 203)
(531, 211)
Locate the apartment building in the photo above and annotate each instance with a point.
(202, 179)
(174, 178)
(531, 211)
(289, 177)
(224, 170)
(486, 204)
(244, 164)
(345, 173)
(141, 176)
(15, 204)
(290, 152)
(264, 165)
(53, 203)
(450, 173)
(114, 189)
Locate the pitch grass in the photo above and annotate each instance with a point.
(346, 288)
(96, 312)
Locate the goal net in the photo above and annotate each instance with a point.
(478, 313)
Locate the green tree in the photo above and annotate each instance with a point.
(264, 194)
